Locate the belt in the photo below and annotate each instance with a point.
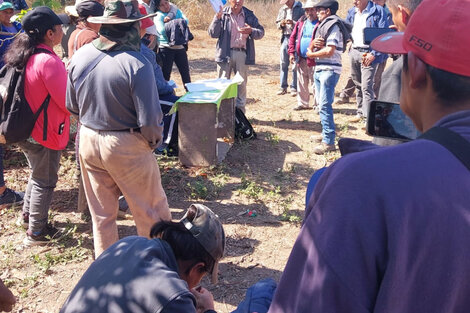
(362, 49)
(130, 130)
(239, 49)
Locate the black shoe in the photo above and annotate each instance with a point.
(43, 237)
(10, 197)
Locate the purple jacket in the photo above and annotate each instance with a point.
(386, 230)
(295, 37)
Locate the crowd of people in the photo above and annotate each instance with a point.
(385, 228)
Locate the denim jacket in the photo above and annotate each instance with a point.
(220, 29)
(376, 18)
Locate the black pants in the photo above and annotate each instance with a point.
(178, 56)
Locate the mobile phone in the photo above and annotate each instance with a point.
(61, 128)
(387, 120)
(370, 33)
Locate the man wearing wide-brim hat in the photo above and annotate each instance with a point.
(111, 87)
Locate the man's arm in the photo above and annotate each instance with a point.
(215, 28)
(325, 52)
(147, 105)
(71, 96)
(339, 257)
(257, 31)
(382, 22)
(280, 17)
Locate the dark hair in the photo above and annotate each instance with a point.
(22, 48)
(450, 88)
(184, 245)
(154, 5)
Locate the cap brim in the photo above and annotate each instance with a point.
(116, 20)
(215, 273)
(391, 43)
(71, 10)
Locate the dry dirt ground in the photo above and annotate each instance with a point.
(268, 175)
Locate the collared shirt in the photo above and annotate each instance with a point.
(288, 16)
(237, 40)
(357, 33)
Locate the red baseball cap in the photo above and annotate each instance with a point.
(437, 33)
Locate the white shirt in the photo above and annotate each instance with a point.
(357, 33)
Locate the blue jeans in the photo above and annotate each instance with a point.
(325, 83)
(285, 65)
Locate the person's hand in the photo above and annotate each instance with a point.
(204, 299)
(318, 43)
(7, 299)
(291, 59)
(289, 22)
(166, 19)
(283, 23)
(367, 59)
(245, 30)
(219, 14)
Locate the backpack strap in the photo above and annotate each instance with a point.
(45, 103)
(452, 141)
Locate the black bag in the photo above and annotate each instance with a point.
(243, 128)
(17, 120)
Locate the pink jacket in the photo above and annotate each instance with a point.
(294, 40)
(45, 74)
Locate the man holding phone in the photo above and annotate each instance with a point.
(288, 15)
(387, 229)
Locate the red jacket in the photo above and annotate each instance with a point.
(294, 40)
(45, 74)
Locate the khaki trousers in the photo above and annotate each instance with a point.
(304, 81)
(115, 162)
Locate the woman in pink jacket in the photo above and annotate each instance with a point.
(45, 80)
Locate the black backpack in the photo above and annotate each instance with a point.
(243, 128)
(17, 120)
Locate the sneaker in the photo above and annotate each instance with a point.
(23, 220)
(302, 107)
(316, 138)
(281, 91)
(356, 118)
(293, 92)
(43, 237)
(321, 149)
(11, 197)
(342, 100)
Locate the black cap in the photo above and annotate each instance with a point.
(40, 18)
(89, 8)
(330, 4)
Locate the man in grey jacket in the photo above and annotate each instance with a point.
(111, 87)
(235, 28)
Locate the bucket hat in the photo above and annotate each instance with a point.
(119, 12)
